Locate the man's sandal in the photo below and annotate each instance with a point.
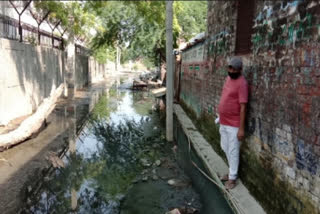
(230, 184)
(224, 178)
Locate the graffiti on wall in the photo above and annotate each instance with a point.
(290, 72)
(305, 157)
(218, 44)
(271, 31)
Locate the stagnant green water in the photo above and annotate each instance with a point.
(121, 163)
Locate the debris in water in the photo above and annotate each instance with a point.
(154, 177)
(168, 164)
(158, 163)
(175, 148)
(147, 80)
(174, 211)
(178, 183)
(29, 189)
(154, 107)
(188, 210)
(136, 180)
(159, 92)
(139, 85)
(145, 162)
(29, 201)
(55, 160)
(145, 178)
(183, 210)
(146, 150)
(165, 173)
(120, 197)
(144, 172)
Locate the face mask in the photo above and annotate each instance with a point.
(234, 75)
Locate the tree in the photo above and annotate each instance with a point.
(136, 27)
(73, 15)
(192, 16)
(139, 26)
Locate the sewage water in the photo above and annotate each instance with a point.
(117, 162)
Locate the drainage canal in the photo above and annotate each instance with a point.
(121, 163)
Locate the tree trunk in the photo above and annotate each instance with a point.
(118, 57)
(32, 124)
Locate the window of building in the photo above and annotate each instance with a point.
(244, 26)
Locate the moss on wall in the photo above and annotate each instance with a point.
(275, 195)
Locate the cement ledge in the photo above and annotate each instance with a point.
(217, 167)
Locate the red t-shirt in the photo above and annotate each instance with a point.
(234, 92)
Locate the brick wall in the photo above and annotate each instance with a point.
(282, 69)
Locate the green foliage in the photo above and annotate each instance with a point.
(57, 10)
(135, 67)
(192, 16)
(100, 109)
(104, 52)
(148, 63)
(125, 26)
(72, 15)
(137, 27)
(106, 104)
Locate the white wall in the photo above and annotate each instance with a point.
(28, 75)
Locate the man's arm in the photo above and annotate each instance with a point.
(243, 107)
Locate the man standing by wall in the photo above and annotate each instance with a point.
(232, 112)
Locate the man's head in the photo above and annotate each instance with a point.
(234, 67)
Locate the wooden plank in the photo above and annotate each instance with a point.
(159, 92)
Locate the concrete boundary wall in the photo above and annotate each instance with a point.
(82, 71)
(97, 71)
(31, 73)
(28, 75)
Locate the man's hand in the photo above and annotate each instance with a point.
(240, 134)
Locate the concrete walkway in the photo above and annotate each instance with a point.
(239, 197)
